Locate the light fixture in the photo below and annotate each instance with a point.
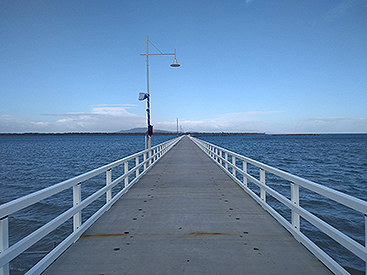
(175, 64)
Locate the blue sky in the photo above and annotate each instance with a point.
(254, 66)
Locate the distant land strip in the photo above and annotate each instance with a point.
(129, 134)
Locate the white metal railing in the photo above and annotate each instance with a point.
(141, 162)
(234, 167)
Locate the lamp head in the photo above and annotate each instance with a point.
(175, 64)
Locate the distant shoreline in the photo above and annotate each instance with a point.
(195, 134)
(128, 134)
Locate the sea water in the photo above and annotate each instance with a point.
(28, 164)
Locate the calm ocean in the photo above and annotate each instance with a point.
(28, 164)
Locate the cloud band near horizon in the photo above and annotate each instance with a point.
(116, 117)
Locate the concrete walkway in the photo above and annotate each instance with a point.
(186, 216)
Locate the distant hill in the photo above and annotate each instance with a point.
(143, 130)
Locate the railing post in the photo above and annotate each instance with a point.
(77, 197)
(126, 169)
(233, 165)
(295, 201)
(136, 166)
(262, 180)
(146, 141)
(244, 168)
(226, 158)
(4, 242)
(108, 182)
(220, 157)
(144, 160)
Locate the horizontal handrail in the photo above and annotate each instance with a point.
(231, 168)
(149, 158)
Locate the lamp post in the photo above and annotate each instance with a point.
(147, 95)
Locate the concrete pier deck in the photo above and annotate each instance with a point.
(186, 216)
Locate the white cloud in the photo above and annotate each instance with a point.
(10, 124)
(102, 118)
(269, 123)
(231, 122)
(107, 118)
(335, 125)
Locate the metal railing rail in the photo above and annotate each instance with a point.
(231, 168)
(143, 161)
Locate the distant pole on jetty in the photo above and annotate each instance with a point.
(146, 95)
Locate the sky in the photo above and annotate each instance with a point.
(280, 66)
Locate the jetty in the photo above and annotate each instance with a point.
(184, 210)
(186, 216)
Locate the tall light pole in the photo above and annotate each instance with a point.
(146, 95)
